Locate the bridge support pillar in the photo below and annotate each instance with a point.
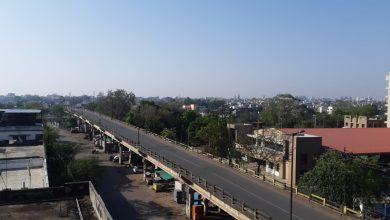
(189, 202)
(205, 206)
(120, 153)
(104, 139)
(145, 165)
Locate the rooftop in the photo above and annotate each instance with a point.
(352, 140)
(15, 111)
(14, 179)
(22, 151)
(65, 210)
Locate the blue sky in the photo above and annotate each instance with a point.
(195, 48)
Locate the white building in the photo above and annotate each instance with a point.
(330, 110)
(22, 154)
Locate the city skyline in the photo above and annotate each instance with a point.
(195, 49)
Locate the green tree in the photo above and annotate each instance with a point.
(168, 133)
(50, 136)
(284, 110)
(214, 135)
(86, 169)
(59, 156)
(57, 110)
(344, 179)
(115, 104)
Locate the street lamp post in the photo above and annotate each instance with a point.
(291, 171)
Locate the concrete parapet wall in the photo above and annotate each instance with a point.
(98, 204)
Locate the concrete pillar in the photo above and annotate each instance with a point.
(205, 206)
(120, 153)
(145, 164)
(104, 139)
(130, 156)
(189, 202)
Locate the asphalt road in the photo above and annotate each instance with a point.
(273, 202)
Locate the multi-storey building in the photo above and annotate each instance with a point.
(22, 154)
(363, 122)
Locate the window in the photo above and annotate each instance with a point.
(357, 125)
(351, 125)
(346, 123)
(277, 167)
(271, 165)
(363, 125)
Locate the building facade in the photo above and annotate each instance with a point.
(22, 153)
(388, 99)
(279, 152)
(363, 122)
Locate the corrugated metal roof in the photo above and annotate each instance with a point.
(14, 111)
(353, 140)
(164, 175)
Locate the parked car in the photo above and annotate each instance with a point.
(138, 169)
(74, 130)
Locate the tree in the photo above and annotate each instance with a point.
(115, 104)
(214, 135)
(86, 169)
(50, 136)
(57, 110)
(284, 110)
(168, 133)
(59, 156)
(343, 178)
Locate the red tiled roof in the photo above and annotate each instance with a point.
(355, 140)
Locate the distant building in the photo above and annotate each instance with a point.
(388, 99)
(192, 107)
(363, 122)
(321, 109)
(239, 131)
(20, 126)
(330, 110)
(22, 154)
(274, 150)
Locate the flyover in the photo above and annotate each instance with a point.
(239, 195)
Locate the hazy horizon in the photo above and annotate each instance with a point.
(195, 48)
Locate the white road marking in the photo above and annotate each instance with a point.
(266, 201)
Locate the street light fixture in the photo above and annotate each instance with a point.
(291, 170)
